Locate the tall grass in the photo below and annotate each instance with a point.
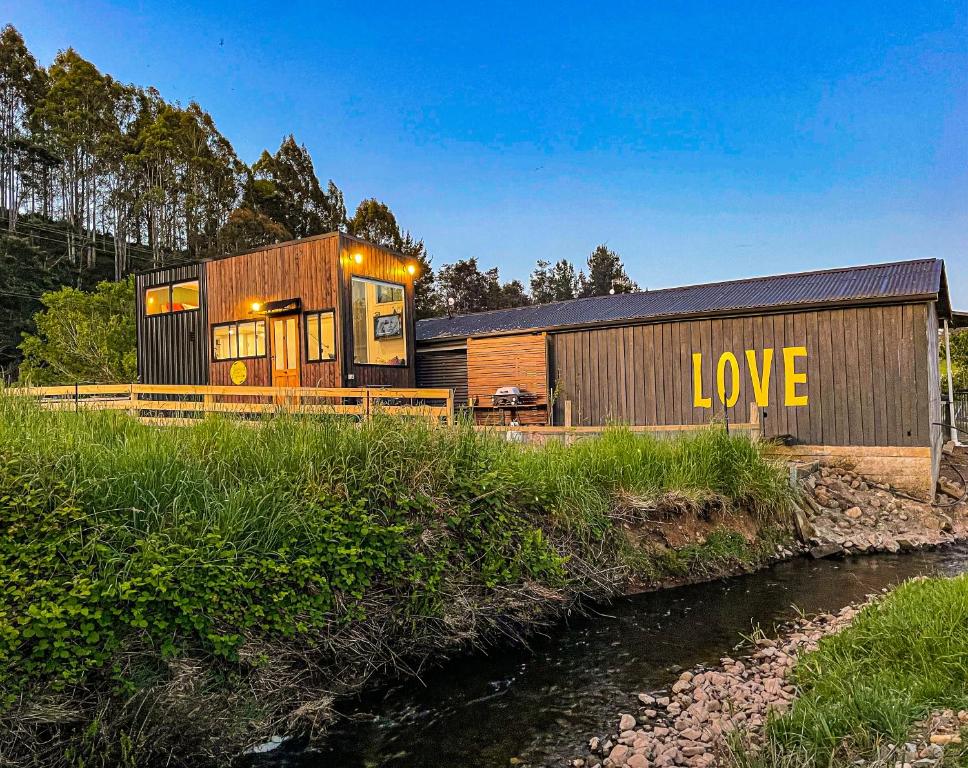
(250, 482)
(899, 660)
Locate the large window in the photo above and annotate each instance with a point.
(320, 336)
(232, 341)
(173, 297)
(379, 324)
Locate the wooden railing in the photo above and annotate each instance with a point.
(162, 403)
(568, 433)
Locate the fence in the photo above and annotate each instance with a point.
(568, 434)
(170, 404)
(961, 414)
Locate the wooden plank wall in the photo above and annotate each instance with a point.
(305, 269)
(379, 264)
(509, 361)
(868, 372)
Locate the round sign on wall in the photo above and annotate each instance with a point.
(238, 372)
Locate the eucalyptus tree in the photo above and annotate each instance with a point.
(21, 84)
(77, 120)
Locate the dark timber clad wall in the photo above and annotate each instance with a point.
(172, 347)
(871, 373)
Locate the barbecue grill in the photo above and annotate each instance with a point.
(506, 397)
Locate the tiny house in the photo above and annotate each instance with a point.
(324, 311)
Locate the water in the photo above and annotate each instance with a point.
(540, 705)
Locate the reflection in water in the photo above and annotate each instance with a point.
(540, 704)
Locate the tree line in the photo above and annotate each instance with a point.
(99, 179)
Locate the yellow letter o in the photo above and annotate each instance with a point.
(727, 357)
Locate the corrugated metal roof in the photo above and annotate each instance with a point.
(898, 280)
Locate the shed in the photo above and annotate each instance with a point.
(833, 361)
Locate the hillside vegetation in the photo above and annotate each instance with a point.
(181, 593)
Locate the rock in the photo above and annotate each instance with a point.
(637, 761)
(945, 738)
(954, 490)
(854, 513)
(663, 701)
(594, 743)
(626, 723)
(618, 754)
(825, 550)
(646, 699)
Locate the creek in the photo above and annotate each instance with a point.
(539, 705)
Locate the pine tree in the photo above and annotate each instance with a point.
(300, 203)
(375, 223)
(541, 289)
(606, 274)
(475, 291)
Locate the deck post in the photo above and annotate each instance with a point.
(567, 413)
(450, 407)
(755, 431)
(953, 430)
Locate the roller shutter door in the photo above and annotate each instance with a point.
(447, 369)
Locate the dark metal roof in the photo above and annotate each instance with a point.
(903, 280)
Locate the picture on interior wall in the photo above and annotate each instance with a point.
(388, 326)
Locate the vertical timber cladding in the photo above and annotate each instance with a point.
(304, 269)
(375, 263)
(509, 361)
(853, 376)
(172, 346)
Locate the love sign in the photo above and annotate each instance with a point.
(759, 371)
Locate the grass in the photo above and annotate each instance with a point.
(159, 586)
(901, 658)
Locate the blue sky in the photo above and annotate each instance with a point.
(702, 141)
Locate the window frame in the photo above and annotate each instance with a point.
(406, 336)
(237, 356)
(170, 285)
(305, 329)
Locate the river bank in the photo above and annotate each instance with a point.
(538, 705)
(692, 722)
(877, 683)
